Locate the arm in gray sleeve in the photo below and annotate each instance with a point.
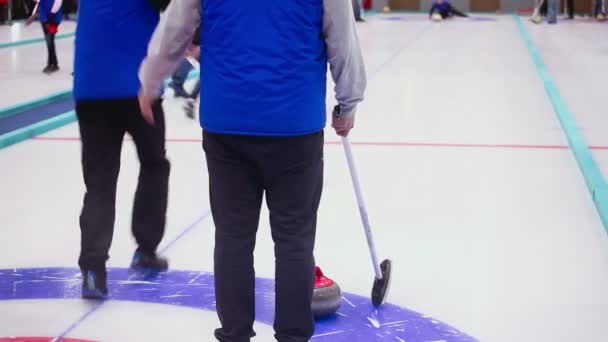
(169, 44)
(344, 54)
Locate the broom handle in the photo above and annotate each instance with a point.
(362, 210)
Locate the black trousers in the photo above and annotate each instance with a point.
(3, 13)
(103, 124)
(290, 172)
(598, 8)
(50, 46)
(452, 11)
(570, 4)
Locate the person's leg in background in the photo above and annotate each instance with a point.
(294, 183)
(179, 78)
(570, 5)
(235, 191)
(357, 10)
(454, 11)
(3, 11)
(49, 36)
(192, 99)
(537, 14)
(150, 204)
(599, 11)
(552, 11)
(544, 8)
(102, 131)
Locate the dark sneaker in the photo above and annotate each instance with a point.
(94, 284)
(189, 108)
(49, 69)
(148, 264)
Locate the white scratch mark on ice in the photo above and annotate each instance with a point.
(327, 334)
(15, 285)
(175, 296)
(49, 277)
(394, 323)
(194, 279)
(374, 322)
(341, 314)
(349, 302)
(129, 282)
(400, 339)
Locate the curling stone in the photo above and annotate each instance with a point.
(327, 296)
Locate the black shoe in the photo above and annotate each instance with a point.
(148, 264)
(94, 284)
(189, 109)
(49, 69)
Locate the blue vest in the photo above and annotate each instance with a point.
(44, 11)
(263, 67)
(111, 41)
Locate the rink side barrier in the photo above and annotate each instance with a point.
(44, 126)
(42, 101)
(596, 183)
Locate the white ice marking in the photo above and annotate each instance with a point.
(349, 302)
(194, 279)
(130, 282)
(175, 296)
(400, 339)
(394, 323)
(15, 285)
(374, 322)
(341, 314)
(327, 334)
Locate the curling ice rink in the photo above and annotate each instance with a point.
(471, 188)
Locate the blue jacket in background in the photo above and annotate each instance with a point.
(111, 41)
(263, 67)
(44, 12)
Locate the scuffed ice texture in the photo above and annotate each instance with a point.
(357, 319)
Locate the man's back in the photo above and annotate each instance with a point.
(111, 41)
(264, 66)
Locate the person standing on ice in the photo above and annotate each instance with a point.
(109, 49)
(50, 13)
(263, 111)
(552, 7)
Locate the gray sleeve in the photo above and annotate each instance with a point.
(344, 54)
(169, 44)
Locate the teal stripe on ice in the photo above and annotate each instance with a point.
(33, 41)
(38, 128)
(593, 175)
(16, 109)
(44, 126)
